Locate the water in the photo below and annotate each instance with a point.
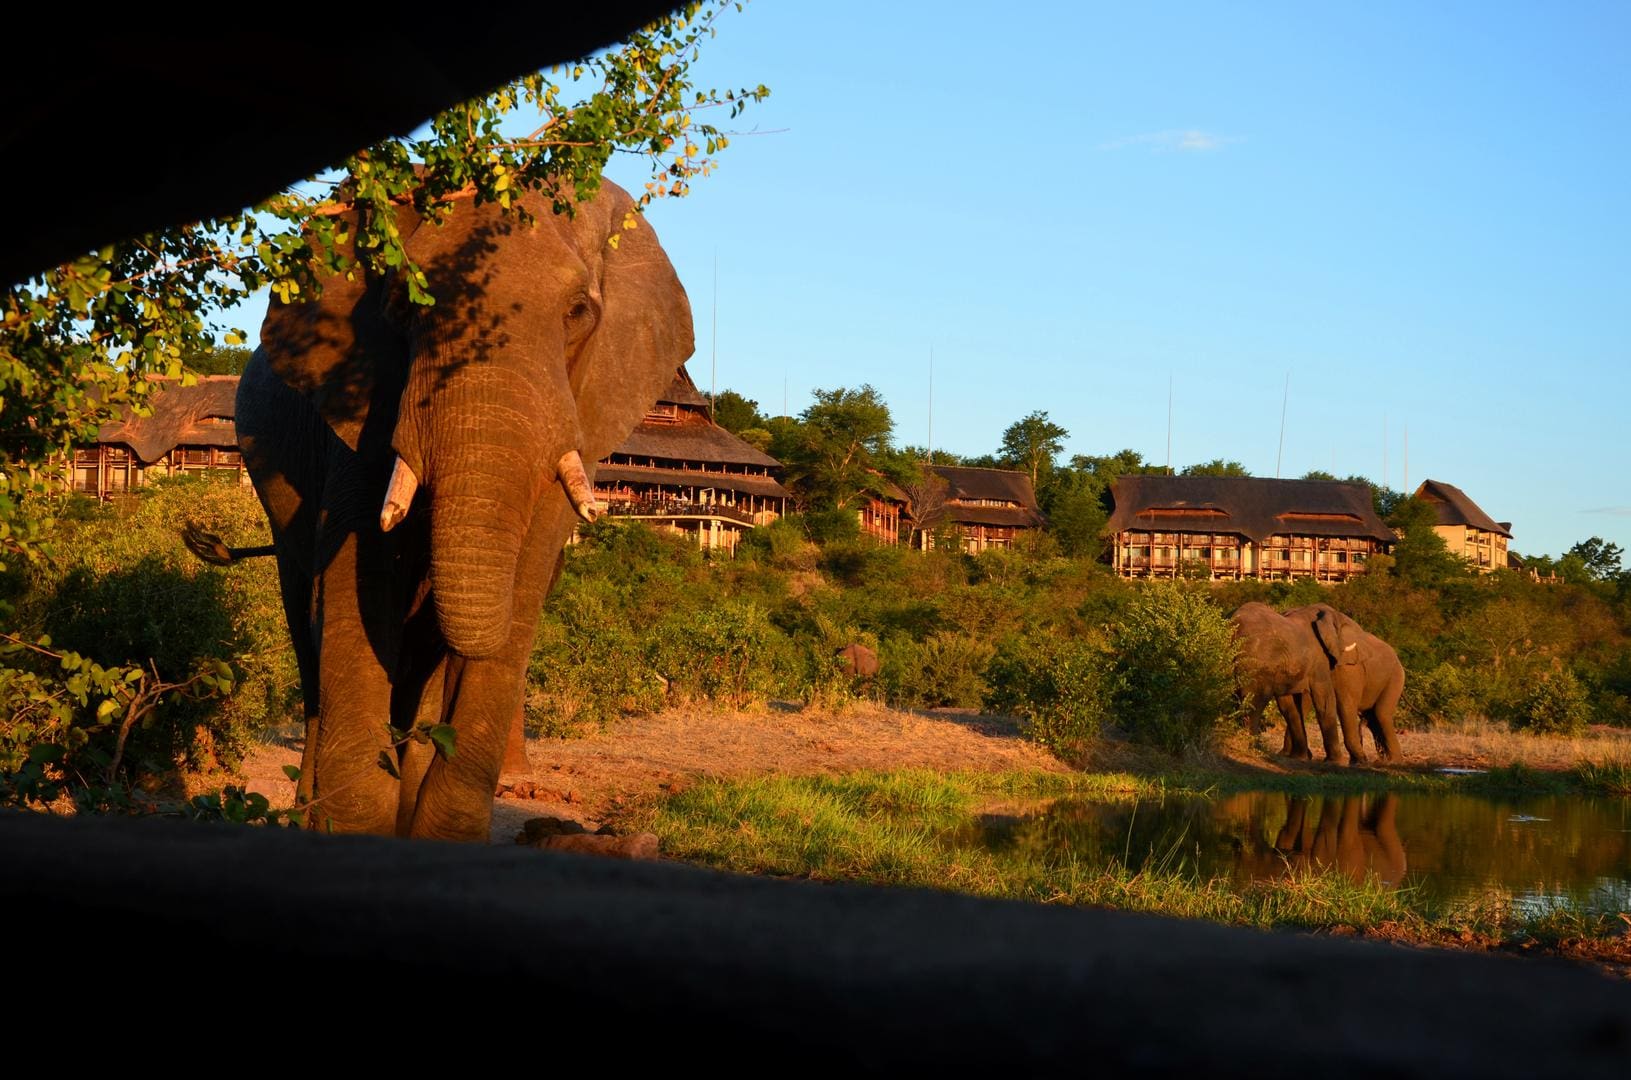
(1545, 853)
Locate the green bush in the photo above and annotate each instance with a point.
(1059, 685)
(946, 669)
(1442, 693)
(1173, 667)
(588, 664)
(726, 651)
(1555, 705)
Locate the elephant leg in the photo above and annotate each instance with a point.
(1296, 738)
(1381, 721)
(515, 750)
(359, 621)
(1351, 734)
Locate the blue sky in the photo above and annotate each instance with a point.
(1419, 212)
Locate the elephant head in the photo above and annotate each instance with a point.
(1338, 635)
(547, 341)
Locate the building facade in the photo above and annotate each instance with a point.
(1467, 530)
(681, 472)
(1226, 527)
(987, 508)
(190, 432)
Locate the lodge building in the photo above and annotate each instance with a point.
(1229, 527)
(987, 508)
(681, 472)
(190, 431)
(1467, 530)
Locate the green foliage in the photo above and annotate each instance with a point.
(1442, 693)
(220, 360)
(1597, 559)
(1031, 445)
(1215, 467)
(1173, 667)
(737, 414)
(944, 670)
(1556, 704)
(1421, 557)
(839, 441)
(1060, 685)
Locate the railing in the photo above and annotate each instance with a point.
(677, 508)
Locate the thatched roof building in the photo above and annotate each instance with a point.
(681, 471)
(1467, 530)
(988, 507)
(1233, 526)
(190, 429)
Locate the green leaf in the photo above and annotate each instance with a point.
(444, 738)
(292, 772)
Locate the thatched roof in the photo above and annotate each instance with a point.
(1454, 508)
(765, 486)
(1249, 506)
(182, 416)
(1004, 485)
(966, 485)
(702, 442)
(683, 391)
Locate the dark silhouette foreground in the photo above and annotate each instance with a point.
(654, 963)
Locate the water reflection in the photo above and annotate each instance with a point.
(1544, 852)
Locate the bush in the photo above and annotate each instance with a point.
(587, 664)
(1173, 668)
(726, 651)
(946, 669)
(1059, 685)
(1555, 705)
(1439, 694)
(122, 590)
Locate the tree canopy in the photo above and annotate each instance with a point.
(842, 439)
(1032, 444)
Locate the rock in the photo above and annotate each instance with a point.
(638, 846)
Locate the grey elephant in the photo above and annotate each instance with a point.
(1280, 661)
(422, 468)
(1366, 679)
(857, 661)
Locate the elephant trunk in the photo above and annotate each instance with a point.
(476, 535)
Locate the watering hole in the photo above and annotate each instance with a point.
(1545, 853)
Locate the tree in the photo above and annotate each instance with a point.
(1215, 467)
(841, 438)
(221, 360)
(926, 491)
(736, 413)
(1599, 559)
(1032, 444)
(1421, 556)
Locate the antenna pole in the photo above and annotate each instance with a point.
(1384, 450)
(1407, 457)
(1169, 423)
(1280, 453)
(931, 405)
(713, 373)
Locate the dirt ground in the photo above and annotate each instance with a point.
(587, 779)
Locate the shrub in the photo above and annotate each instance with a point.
(1173, 667)
(726, 651)
(588, 664)
(1441, 693)
(1059, 685)
(946, 669)
(1555, 705)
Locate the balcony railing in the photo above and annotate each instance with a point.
(677, 508)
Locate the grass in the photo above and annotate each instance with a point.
(910, 828)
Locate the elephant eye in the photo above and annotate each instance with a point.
(580, 309)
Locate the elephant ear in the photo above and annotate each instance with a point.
(333, 348)
(1339, 637)
(644, 333)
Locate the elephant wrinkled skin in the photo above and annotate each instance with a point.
(422, 468)
(1280, 661)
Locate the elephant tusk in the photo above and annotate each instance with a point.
(398, 496)
(576, 482)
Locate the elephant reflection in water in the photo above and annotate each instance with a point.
(1354, 834)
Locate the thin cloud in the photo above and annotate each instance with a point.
(1615, 511)
(1187, 141)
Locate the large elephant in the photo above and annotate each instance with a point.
(422, 468)
(1366, 679)
(1280, 661)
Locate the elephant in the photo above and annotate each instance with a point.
(1357, 835)
(422, 468)
(1280, 661)
(857, 661)
(1366, 679)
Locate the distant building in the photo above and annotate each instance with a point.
(1467, 530)
(989, 508)
(682, 472)
(885, 507)
(1224, 527)
(190, 431)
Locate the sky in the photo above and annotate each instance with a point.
(1417, 213)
